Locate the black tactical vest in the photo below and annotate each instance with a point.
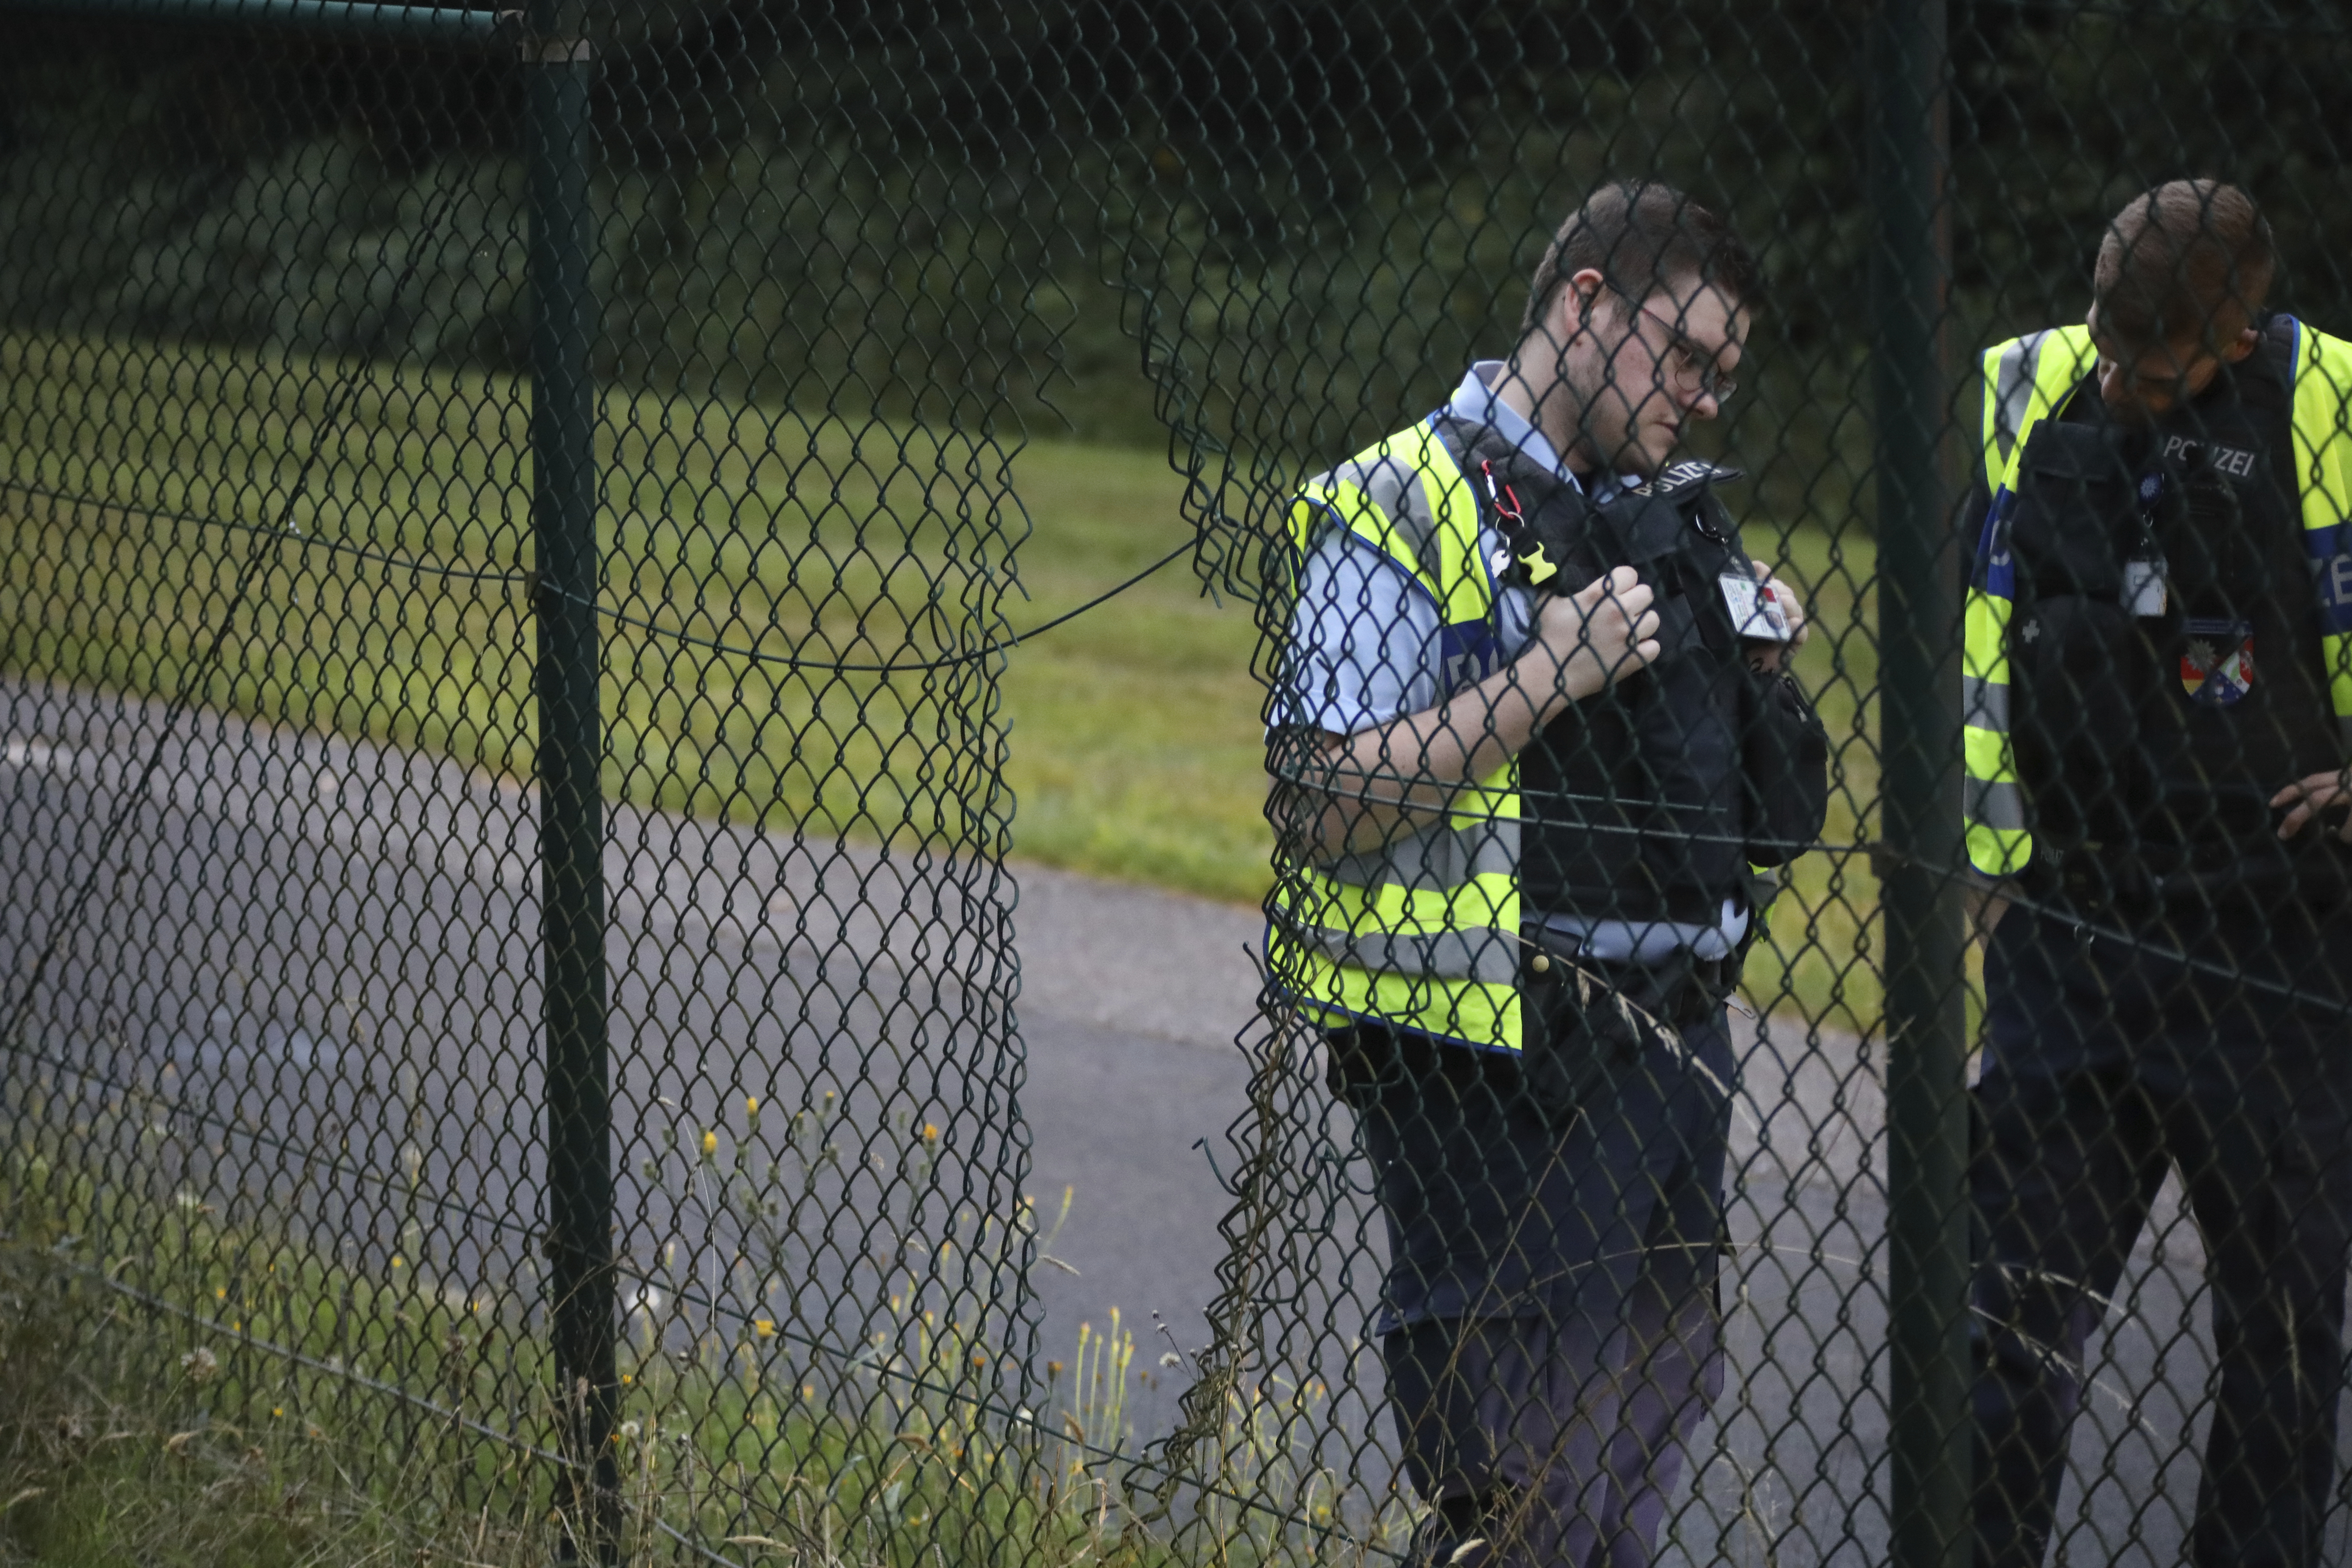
(2155, 741)
(1632, 800)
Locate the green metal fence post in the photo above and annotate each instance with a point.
(570, 748)
(1919, 618)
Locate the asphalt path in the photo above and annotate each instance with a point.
(305, 992)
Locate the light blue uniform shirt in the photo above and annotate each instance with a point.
(1364, 650)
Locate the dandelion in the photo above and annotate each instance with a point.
(930, 1132)
(710, 1143)
(765, 1328)
(752, 1105)
(808, 1391)
(1053, 1369)
(395, 1260)
(978, 1359)
(200, 1366)
(277, 1412)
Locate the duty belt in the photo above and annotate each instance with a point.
(1680, 988)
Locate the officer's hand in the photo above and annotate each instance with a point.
(1601, 634)
(2310, 796)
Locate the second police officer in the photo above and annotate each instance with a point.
(2159, 680)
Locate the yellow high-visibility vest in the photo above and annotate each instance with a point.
(1422, 932)
(2027, 379)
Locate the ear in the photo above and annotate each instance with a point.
(1577, 294)
(2241, 345)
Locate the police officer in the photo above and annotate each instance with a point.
(2158, 686)
(1531, 730)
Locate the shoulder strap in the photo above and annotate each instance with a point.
(2266, 380)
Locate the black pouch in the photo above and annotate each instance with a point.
(2077, 513)
(1588, 1026)
(2083, 677)
(1784, 768)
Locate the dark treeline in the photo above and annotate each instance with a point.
(1274, 224)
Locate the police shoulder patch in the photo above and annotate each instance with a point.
(2216, 662)
(1683, 477)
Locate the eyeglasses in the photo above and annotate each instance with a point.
(1692, 367)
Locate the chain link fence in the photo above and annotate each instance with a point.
(513, 537)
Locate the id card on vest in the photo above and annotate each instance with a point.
(1756, 615)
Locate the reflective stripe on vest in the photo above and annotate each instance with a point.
(2025, 381)
(1421, 932)
(2322, 464)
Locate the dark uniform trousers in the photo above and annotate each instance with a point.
(1551, 1332)
(2107, 1063)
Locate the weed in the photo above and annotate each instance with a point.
(278, 1407)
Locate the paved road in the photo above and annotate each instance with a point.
(305, 991)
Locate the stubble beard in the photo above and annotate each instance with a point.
(1608, 454)
(1627, 452)
(1594, 451)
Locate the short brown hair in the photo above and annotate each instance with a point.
(1640, 234)
(2190, 257)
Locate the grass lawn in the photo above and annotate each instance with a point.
(1821, 960)
(1130, 735)
(181, 1390)
(1136, 747)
